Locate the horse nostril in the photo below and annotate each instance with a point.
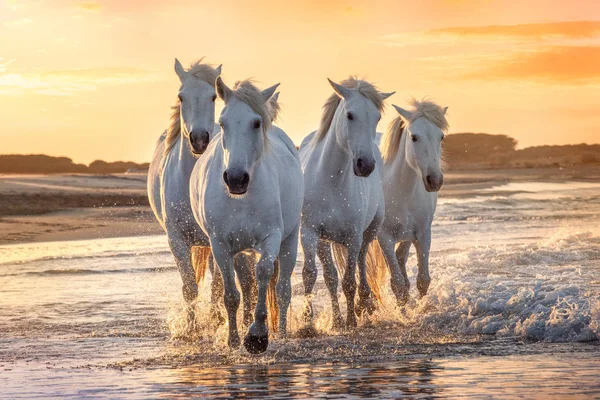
(429, 180)
(245, 179)
(359, 163)
(225, 177)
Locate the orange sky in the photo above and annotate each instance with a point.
(94, 79)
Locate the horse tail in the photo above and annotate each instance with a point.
(200, 256)
(375, 274)
(340, 258)
(272, 303)
(376, 269)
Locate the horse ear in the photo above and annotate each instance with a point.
(180, 71)
(275, 97)
(268, 92)
(342, 91)
(386, 95)
(222, 90)
(445, 110)
(218, 69)
(403, 113)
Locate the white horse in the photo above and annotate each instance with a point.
(412, 176)
(343, 198)
(192, 127)
(246, 194)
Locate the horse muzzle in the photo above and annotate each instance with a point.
(433, 183)
(363, 167)
(199, 141)
(237, 181)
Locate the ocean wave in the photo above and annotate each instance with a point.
(85, 271)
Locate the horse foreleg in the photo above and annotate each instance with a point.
(257, 339)
(399, 280)
(183, 258)
(349, 282)
(309, 240)
(330, 275)
(365, 294)
(231, 296)
(245, 273)
(422, 245)
(287, 262)
(216, 291)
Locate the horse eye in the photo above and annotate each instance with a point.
(350, 116)
(414, 138)
(180, 99)
(443, 136)
(257, 124)
(214, 97)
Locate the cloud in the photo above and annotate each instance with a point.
(91, 6)
(18, 23)
(70, 82)
(15, 5)
(577, 65)
(557, 32)
(571, 29)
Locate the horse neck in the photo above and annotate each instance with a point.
(402, 173)
(182, 154)
(336, 158)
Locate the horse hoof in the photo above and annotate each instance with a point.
(367, 305)
(338, 323)
(234, 342)
(248, 320)
(256, 344)
(351, 322)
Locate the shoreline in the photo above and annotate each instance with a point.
(46, 208)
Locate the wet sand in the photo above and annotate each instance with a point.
(43, 208)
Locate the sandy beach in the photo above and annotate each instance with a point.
(43, 208)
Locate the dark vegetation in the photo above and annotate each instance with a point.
(484, 151)
(43, 164)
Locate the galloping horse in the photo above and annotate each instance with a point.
(343, 196)
(412, 176)
(246, 194)
(192, 127)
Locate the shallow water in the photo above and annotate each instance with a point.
(513, 310)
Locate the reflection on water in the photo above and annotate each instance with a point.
(552, 375)
(514, 306)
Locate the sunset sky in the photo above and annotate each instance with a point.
(94, 79)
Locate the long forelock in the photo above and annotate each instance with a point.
(390, 142)
(429, 110)
(204, 72)
(365, 88)
(247, 92)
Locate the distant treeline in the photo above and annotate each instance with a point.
(481, 150)
(43, 164)
(461, 150)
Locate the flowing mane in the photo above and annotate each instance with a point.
(204, 72)
(390, 142)
(365, 88)
(247, 92)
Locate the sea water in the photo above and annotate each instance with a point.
(513, 310)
